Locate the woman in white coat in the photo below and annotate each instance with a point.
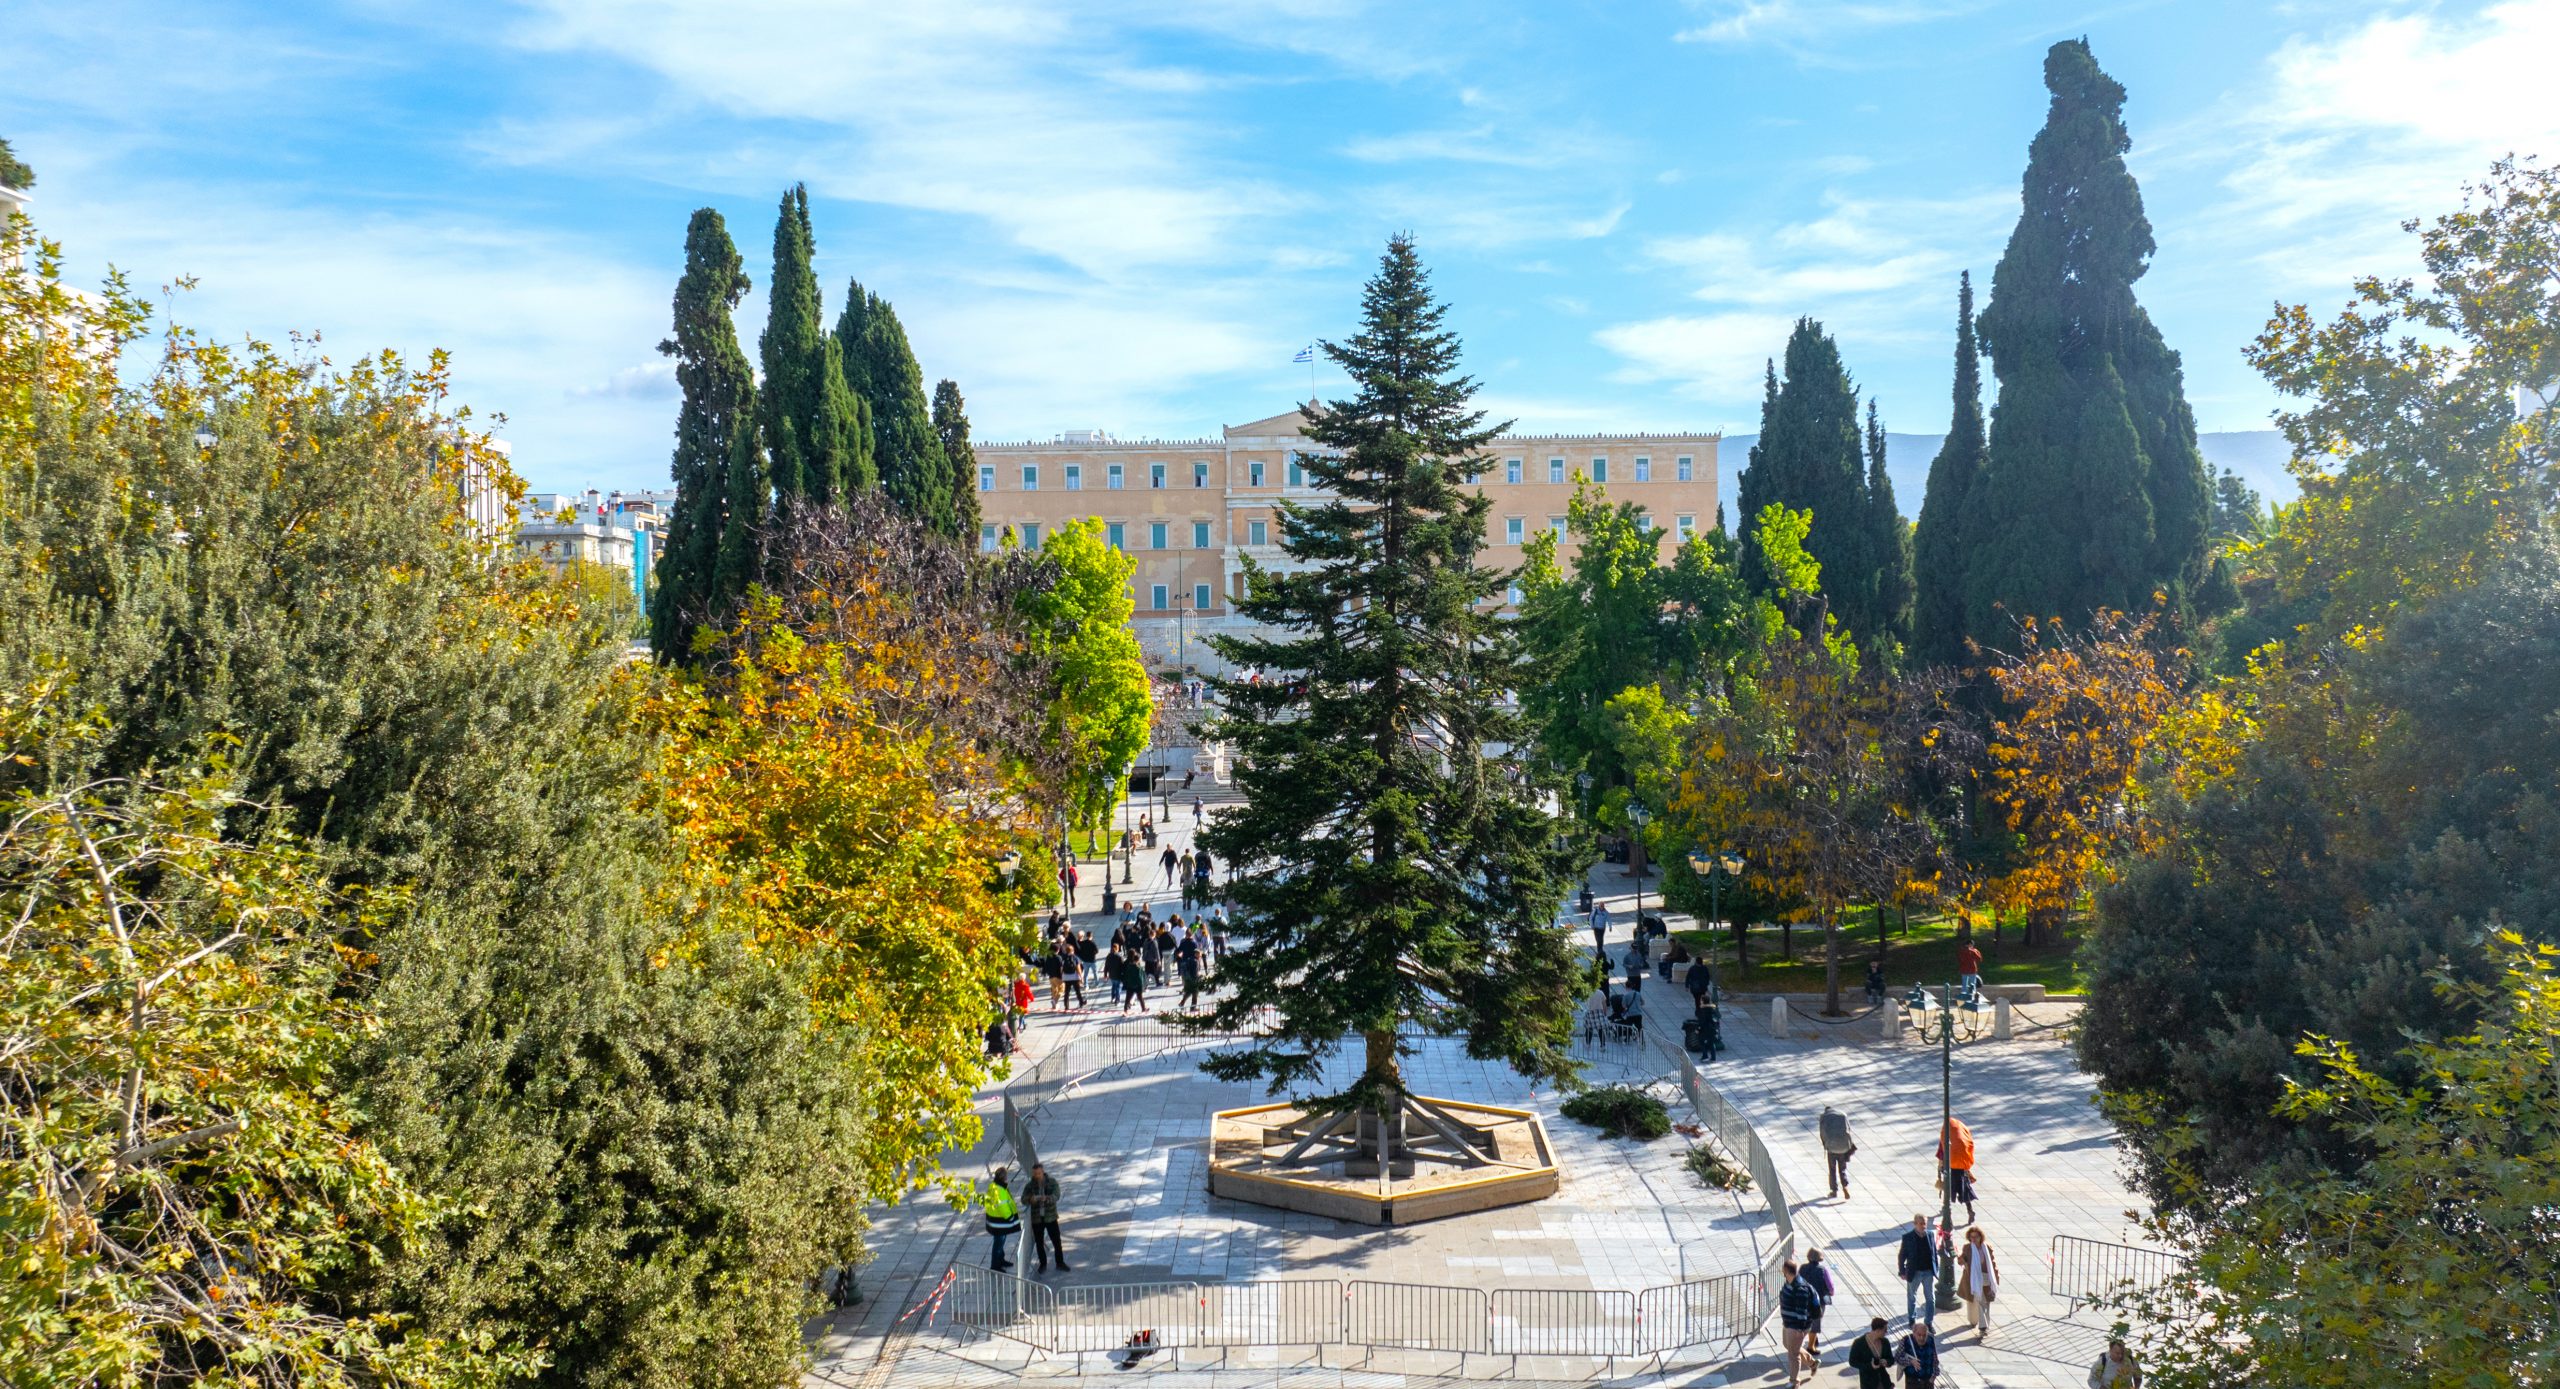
(1978, 1281)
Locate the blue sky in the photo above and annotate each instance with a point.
(1128, 215)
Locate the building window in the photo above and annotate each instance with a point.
(1645, 524)
(1253, 473)
(1556, 523)
(1514, 591)
(1297, 473)
(1555, 470)
(1199, 535)
(1257, 532)
(1200, 597)
(1156, 535)
(1117, 534)
(1075, 477)
(1644, 470)
(1600, 471)
(986, 477)
(1514, 529)
(1683, 469)
(1161, 601)
(1199, 474)
(987, 531)
(1683, 525)
(1155, 476)
(1031, 535)
(1511, 471)
(1115, 477)
(1030, 477)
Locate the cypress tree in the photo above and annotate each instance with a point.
(718, 412)
(1391, 871)
(1889, 541)
(881, 368)
(792, 351)
(951, 426)
(1809, 457)
(1938, 548)
(2092, 493)
(840, 461)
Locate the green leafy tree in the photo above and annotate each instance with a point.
(1940, 556)
(881, 368)
(717, 466)
(2371, 816)
(1390, 871)
(1102, 704)
(2430, 1259)
(2092, 493)
(13, 170)
(1589, 633)
(2429, 436)
(951, 425)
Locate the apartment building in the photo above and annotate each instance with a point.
(1191, 510)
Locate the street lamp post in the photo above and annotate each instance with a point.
(1637, 816)
(1946, 1025)
(1719, 868)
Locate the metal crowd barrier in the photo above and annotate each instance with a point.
(1413, 1316)
(1297, 1312)
(2092, 1271)
(1564, 1321)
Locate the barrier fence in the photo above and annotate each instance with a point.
(2093, 1271)
(1585, 1322)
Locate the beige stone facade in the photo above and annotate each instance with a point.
(1190, 510)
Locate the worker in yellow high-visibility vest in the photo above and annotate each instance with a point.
(1004, 1218)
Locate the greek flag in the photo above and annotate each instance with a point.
(1305, 354)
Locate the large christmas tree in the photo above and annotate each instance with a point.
(718, 464)
(2092, 494)
(1389, 871)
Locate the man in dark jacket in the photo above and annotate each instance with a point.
(1798, 1305)
(1919, 1358)
(1918, 1264)
(1040, 1210)
(1871, 1356)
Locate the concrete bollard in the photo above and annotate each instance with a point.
(2000, 1020)
(1892, 1021)
(1777, 1017)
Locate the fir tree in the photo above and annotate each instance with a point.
(792, 353)
(718, 412)
(1392, 873)
(1889, 543)
(882, 369)
(14, 171)
(1938, 548)
(2092, 493)
(951, 426)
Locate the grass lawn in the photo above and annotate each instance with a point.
(1924, 954)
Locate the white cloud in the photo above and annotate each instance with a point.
(1788, 23)
(1714, 357)
(2359, 129)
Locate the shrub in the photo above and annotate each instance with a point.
(1711, 1170)
(1620, 1111)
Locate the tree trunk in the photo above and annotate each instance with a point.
(1383, 1134)
(1831, 964)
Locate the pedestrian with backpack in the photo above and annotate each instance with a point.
(1837, 1148)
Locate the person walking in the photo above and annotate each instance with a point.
(2116, 1367)
(1955, 1149)
(1040, 1207)
(1969, 968)
(1871, 1356)
(1918, 1264)
(1021, 995)
(1837, 1148)
(1133, 983)
(1701, 980)
(1172, 864)
(1004, 1218)
(1218, 932)
(1919, 1357)
(1819, 1278)
(1875, 982)
(1054, 970)
(1195, 810)
(1599, 934)
(1186, 960)
(1600, 927)
(1071, 975)
(1069, 879)
(1798, 1306)
(1978, 1280)
(1086, 953)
